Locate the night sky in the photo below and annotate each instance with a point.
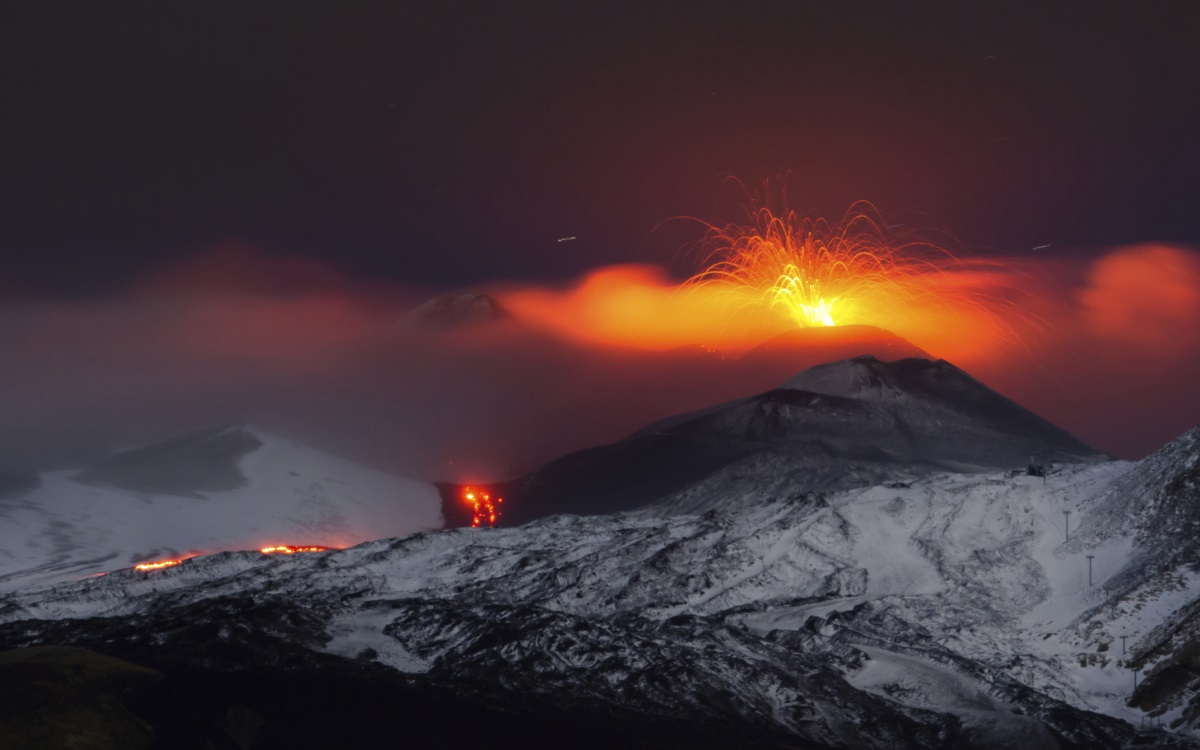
(449, 143)
(217, 212)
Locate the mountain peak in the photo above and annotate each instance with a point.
(455, 310)
(832, 426)
(934, 395)
(869, 377)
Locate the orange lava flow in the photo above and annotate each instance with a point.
(287, 549)
(157, 565)
(813, 273)
(483, 508)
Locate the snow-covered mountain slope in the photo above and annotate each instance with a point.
(1154, 600)
(834, 426)
(950, 611)
(229, 488)
(945, 414)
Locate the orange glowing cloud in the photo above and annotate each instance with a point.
(817, 273)
(633, 305)
(777, 273)
(1146, 297)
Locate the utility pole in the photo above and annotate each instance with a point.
(1135, 679)
(1089, 557)
(1066, 526)
(1123, 644)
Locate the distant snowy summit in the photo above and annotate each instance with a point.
(228, 488)
(456, 310)
(834, 426)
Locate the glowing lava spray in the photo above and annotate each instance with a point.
(805, 273)
(484, 509)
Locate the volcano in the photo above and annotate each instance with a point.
(950, 611)
(858, 558)
(835, 426)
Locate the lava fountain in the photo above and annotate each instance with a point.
(806, 273)
(484, 509)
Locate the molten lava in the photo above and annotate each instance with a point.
(157, 565)
(287, 549)
(813, 273)
(817, 273)
(483, 508)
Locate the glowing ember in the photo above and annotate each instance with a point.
(483, 508)
(157, 565)
(821, 274)
(780, 268)
(287, 549)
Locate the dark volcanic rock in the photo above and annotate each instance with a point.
(833, 426)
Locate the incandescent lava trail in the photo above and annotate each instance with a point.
(806, 273)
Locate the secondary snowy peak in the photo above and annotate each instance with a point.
(234, 487)
(456, 310)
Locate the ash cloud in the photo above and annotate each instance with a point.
(299, 348)
(294, 346)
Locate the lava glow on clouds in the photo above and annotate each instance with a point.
(781, 271)
(485, 511)
(1142, 297)
(311, 352)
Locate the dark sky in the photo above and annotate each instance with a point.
(217, 212)
(444, 143)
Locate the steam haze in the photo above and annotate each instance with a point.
(298, 347)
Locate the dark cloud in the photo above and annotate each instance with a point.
(450, 143)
